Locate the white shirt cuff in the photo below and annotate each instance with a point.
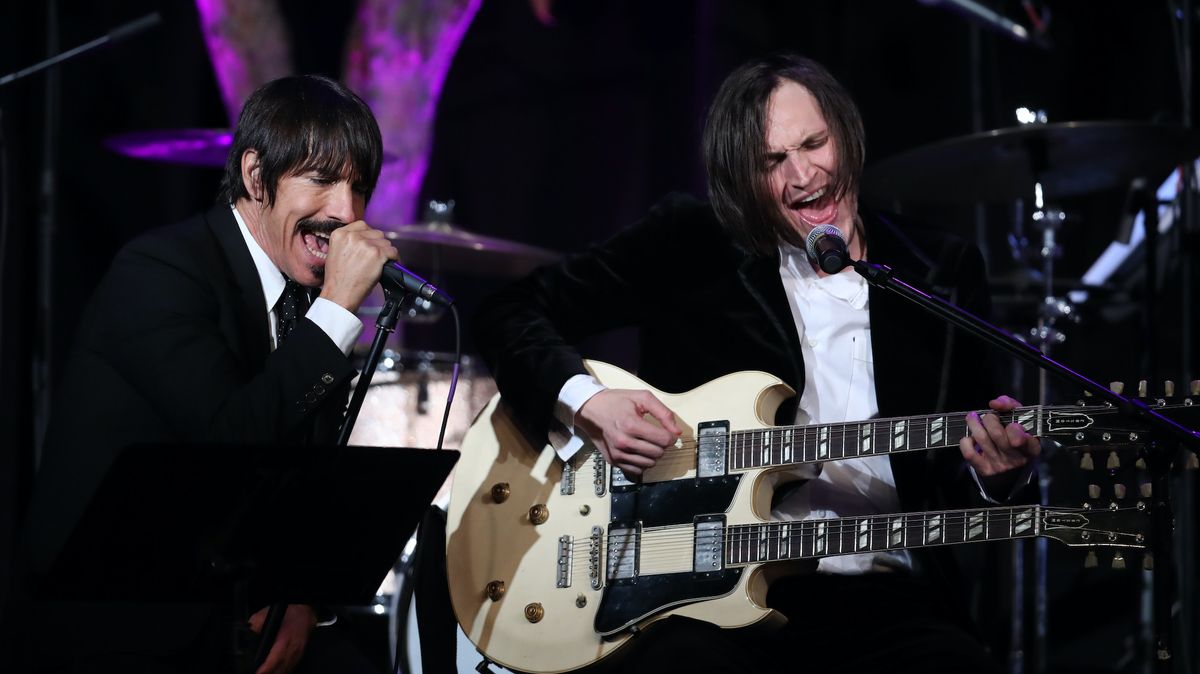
(342, 326)
(571, 397)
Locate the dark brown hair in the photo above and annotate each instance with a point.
(735, 146)
(304, 123)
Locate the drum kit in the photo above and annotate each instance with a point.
(1033, 163)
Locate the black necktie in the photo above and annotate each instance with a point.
(292, 304)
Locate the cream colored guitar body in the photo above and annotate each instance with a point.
(526, 565)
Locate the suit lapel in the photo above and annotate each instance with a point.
(760, 275)
(250, 337)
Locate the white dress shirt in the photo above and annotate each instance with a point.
(342, 326)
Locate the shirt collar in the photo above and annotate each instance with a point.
(848, 287)
(268, 274)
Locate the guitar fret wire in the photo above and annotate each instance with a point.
(841, 526)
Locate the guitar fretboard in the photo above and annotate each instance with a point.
(784, 445)
(773, 541)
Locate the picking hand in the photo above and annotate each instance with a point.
(614, 420)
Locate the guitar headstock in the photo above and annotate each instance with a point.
(1103, 432)
(1116, 528)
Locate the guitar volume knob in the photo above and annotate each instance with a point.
(539, 513)
(501, 491)
(495, 590)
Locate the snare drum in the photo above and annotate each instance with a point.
(404, 405)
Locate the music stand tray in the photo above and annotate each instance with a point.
(288, 524)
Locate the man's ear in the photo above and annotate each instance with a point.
(252, 175)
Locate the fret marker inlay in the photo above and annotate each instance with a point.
(975, 525)
(933, 529)
(898, 434)
(936, 431)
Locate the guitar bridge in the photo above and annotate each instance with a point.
(564, 562)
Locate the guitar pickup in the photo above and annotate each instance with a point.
(709, 553)
(712, 448)
(623, 549)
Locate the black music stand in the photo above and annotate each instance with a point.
(245, 526)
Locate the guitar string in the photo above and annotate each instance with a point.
(657, 554)
(686, 534)
(851, 429)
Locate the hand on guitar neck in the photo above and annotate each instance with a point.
(993, 448)
(615, 421)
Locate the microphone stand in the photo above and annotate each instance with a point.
(385, 325)
(1169, 434)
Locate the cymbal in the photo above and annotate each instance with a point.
(191, 147)
(188, 147)
(1068, 159)
(439, 246)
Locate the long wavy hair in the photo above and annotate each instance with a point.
(735, 151)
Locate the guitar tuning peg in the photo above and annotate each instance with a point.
(1117, 387)
(1118, 561)
(1085, 462)
(1093, 491)
(1146, 490)
(1087, 394)
(1148, 561)
(1142, 388)
(1091, 561)
(1140, 464)
(1194, 387)
(1169, 388)
(1119, 490)
(1192, 461)
(1114, 461)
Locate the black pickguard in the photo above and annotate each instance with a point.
(628, 600)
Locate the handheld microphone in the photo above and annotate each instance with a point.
(396, 278)
(827, 248)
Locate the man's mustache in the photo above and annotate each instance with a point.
(318, 226)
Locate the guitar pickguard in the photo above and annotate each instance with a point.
(624, 602)
(675, 502)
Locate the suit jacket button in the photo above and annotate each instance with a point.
(318, 389)
(310, 397)
(327, 378)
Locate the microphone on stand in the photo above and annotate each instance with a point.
(396, 278)
(826, 246)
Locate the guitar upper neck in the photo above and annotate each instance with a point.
(785, 445)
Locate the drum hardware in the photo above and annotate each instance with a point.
(1039, 161)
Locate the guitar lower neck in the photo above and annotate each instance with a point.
(802, 539)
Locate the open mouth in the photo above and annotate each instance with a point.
(315, 236)
(818, 208)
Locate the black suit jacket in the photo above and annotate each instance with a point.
(174, 347)
(704, 307)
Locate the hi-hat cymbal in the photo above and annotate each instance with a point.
(439, 246)
(189, 147)
(1067, 159)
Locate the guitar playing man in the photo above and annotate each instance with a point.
(728, 287)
